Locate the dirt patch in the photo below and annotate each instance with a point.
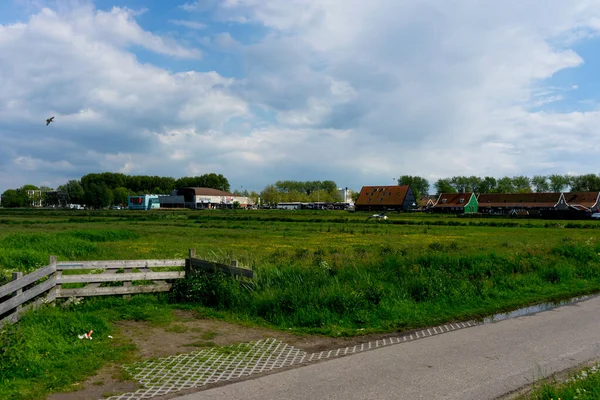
(107, 382)
(190, 332)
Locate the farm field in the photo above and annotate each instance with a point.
(328, 273)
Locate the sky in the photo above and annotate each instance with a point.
(358, 92)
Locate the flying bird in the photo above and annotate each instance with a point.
(379, 217)
(49, 120)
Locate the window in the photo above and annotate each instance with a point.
(443, 201)
(462, 201)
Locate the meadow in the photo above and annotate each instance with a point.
(316, 272)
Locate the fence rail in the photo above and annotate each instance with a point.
(45, 285)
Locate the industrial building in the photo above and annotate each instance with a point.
(203, 198)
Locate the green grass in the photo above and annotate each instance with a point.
(327, 273)
(585, 385)
(43, 354)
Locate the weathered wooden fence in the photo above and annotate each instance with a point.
(46, 284)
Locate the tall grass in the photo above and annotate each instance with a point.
(320, 293)
(26, 252)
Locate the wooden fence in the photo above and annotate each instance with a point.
(46, 284)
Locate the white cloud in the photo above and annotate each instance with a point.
(349, 90)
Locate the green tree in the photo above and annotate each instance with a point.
(15, 198)
(443, 185)
(505, 185)
(487, 185)
(558, 183)
(540, 184)
(74, 191)
(270, 195)
(120, 196)
(522, 184)
(419, 185)
(585, 183)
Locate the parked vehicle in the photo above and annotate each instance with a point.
(596, 215)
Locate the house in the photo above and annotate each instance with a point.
(583, 201)
(35, 198)
(375, 198)
(465, 203)
(203, 198)
(425, 203)
(143, 202)
(504, 203)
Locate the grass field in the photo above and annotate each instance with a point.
(317, 272)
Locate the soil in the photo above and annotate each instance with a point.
(187, 333)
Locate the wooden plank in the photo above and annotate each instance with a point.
(14, 317)
(116, 264)
(118, 290)
(26, 280)
(97, 284)
(27, 295)
(132, 276)
(146, 269)
(210, 266)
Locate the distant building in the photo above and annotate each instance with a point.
(35, 198)
(144, 202)
(291, 206)
(375, 198)
(203, 198)
(504, 203)
(459, 203)
(346, 194)
(583, 201)
(425, 203)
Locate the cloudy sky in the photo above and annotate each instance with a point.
(354, 91)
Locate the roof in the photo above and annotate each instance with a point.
(519, 199)
(202, 191)
(582, 200)
(425, 201)
(382, 195)
(453, 199)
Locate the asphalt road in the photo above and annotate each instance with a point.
(482, 362)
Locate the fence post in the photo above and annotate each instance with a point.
(17, 276)
(188, 263)
(55, 291)
(127, 283)
(234, 264)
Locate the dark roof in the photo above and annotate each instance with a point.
(425, 201)
(518, 199)
(202, 191)
(585, 199)
(382, 195)
(453, 199)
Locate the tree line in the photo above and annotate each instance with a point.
(515, 184)
(99, 190)
(300, 191)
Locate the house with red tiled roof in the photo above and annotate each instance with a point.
(583, 201)
(465, 203)
(377, 198)
(504, 203)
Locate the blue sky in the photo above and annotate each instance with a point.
(265, 90)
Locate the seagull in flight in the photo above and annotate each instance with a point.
(49, 120)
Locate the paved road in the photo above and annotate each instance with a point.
(481, 362)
